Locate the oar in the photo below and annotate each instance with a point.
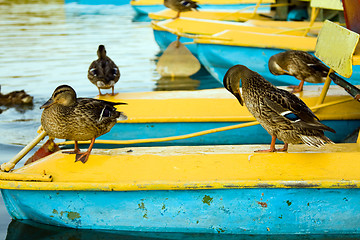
(177, 61)
(351, 89)
(6, 167)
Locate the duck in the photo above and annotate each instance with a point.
(15, 98)
(103, 72)
(281, 113)
(181, 6)
(300, 64)
(79, 119)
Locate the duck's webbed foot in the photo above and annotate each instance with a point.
(75, 151)
(83, 157)
(296, 89)
(272, 147)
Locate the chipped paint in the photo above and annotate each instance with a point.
(69, 214)
(73, 215)
(262, 204)
(288, 203)
(207, 200)
(142, 206)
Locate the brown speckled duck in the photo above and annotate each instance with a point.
(181, 6)
(302, 65)
(281, 113)
(103, 72)
(15, 98)
(78, 119)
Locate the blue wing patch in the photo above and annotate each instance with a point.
(291, 116)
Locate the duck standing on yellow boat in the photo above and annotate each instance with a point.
(78, 119)
(103, 72)
(302, 65)
(281, 113)
(181, 6)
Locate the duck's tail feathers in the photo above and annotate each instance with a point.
(315, 141)
(119, 103)
(315, 125)
(122, 117)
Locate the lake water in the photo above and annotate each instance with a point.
(48, 43)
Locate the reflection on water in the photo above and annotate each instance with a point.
(169, 84)
(29, 230)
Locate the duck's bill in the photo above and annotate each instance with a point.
(47, 104)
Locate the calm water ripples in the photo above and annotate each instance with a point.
(48, 44)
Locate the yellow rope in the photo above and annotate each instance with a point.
(164, 139)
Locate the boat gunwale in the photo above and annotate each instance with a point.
(182, 186)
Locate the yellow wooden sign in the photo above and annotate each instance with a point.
(327, 4)
(336, 46)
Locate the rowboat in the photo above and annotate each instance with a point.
(221, 15)
(219, 44)
(148, 6)
(98, 2)
(203, 189)
(190, 29)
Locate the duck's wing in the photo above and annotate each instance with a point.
(98, 110)
(289, 109)
(111, 70)
(305, 61)
(188, 4)
(92, 71)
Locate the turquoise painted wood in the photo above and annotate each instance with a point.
(146, 9)
(249, 135)
(226, 211)
(217, 59)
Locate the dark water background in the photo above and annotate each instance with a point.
(48, 43)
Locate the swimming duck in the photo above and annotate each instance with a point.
(281, 113)
(67, 117)
(103, 72)
(302, 65)
(15, 98)
(181, 6)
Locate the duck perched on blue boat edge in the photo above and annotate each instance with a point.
(300, 64)
(80, 119)
(103, 72)
(282, 114)
(181, 6)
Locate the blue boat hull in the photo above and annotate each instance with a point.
(217, 59)
(249, 135)
(146, 9)
(225, 211)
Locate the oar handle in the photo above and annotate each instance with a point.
(351, 89)
(6, 167)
